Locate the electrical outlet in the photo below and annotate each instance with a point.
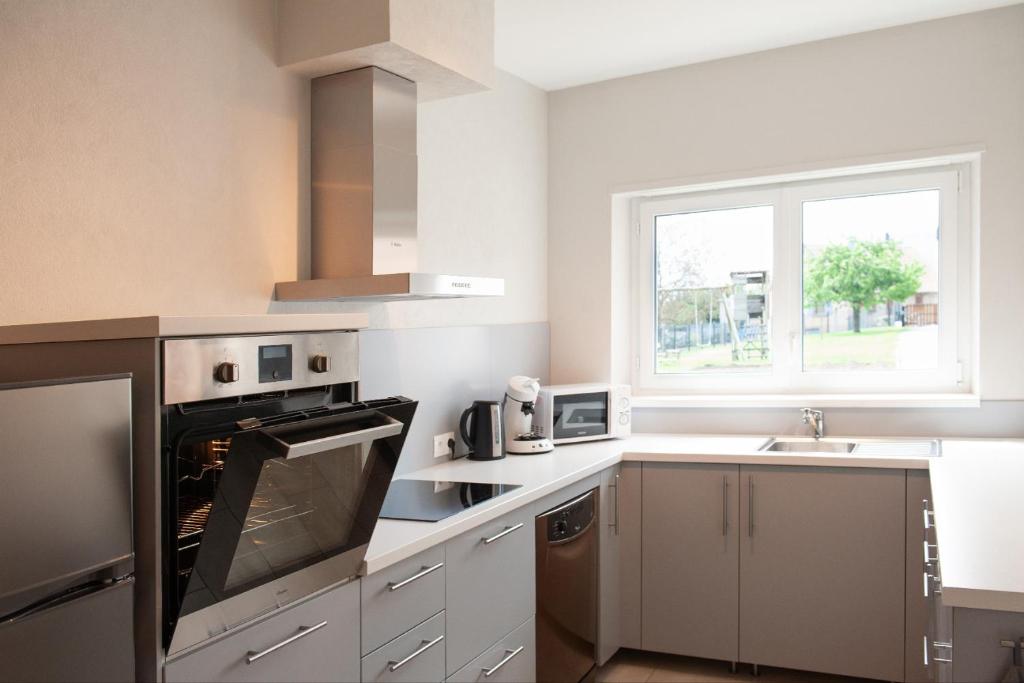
(441, 448)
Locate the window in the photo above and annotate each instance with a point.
(851, 284)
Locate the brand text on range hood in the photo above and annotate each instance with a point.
(364, 241)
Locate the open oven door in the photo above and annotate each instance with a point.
(293, 513)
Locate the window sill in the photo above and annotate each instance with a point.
(955, 400)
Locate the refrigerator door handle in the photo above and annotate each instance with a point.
(62, 597)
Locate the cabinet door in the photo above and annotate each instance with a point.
(690, 559)
(416, 656)
(608, 607)
(489, 585)
(513, 659)
(823, 569)
(918, 581)
(316, 640)
(630, 539)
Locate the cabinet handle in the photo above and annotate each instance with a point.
(928, 559)
(928, 515)
(303, 632)
(925, 652)
(615, 523)
(750, 506)
(725, 505)
(509, 654)
(506, 532)
(424, 646)
(424, 570)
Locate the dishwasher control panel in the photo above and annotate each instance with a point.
(571, 519)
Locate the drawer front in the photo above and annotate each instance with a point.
(401, 596)
(317, 640)
(416, 656)
(512, 659)
(489, 585)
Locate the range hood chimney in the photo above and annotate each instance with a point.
(364, 241)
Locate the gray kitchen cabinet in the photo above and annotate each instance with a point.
(416, 656)
(823, 569)
(401, 596)
(316, 640)
(609, 612)
(977, 653)
(630, 538)
(513, 659)
(691, 559)
(489, 584)
(917, 576)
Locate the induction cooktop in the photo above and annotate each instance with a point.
(432, 501)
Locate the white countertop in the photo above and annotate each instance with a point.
(539, 475)
(977, 495)
(978, 499)
(180, 326)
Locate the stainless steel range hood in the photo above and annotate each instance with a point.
(364, 241)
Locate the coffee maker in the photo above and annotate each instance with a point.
(521, 435)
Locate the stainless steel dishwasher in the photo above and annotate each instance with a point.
(566, 539)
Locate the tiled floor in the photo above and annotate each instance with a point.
(631, 666)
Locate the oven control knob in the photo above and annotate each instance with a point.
(226, 372)
(320, 363)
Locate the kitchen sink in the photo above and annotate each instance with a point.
(869, 447)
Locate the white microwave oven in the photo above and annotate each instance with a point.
(584, 412)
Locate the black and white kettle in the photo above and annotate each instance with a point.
(482, 430)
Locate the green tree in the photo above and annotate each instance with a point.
(861, 273)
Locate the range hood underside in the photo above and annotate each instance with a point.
(390, 287)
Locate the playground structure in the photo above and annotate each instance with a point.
(742, 318)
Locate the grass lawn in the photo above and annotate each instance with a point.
(872, 348)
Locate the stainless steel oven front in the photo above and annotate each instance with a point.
(274, 474)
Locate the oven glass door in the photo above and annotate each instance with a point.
(290, 496)
(580, 415)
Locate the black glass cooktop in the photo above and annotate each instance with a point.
(432, 501)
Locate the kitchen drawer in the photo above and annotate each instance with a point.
(512, 659)
(416, 656)
(489, 579)
(401, 596)
(317, 640)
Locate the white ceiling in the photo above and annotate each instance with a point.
(557, 44)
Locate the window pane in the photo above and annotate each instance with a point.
(712, 286)
(871, 282)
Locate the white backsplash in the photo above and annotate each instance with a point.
(446, 369)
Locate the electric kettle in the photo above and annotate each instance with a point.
(481, 428)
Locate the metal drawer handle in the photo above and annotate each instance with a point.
(615, 524)
(725, 505)
(424, 646)
(303, 632)
(509, 654)
(928, 515)
(942, 660)
(506, 532)
(928, 559)
(945, 645)
(424, 570)
(750, 506)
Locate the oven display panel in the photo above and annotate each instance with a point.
(275, 363)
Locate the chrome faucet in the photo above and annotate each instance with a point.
(816, 419)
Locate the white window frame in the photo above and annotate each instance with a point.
(957, 320)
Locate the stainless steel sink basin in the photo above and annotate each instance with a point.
(894, 448)
(808, 446)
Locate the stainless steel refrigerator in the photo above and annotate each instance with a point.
(66, 560)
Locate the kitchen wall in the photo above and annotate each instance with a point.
(446, 369)
(154, 159)
(890, 93)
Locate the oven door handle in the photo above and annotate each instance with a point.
(387, 427)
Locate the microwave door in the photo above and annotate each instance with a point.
(292, 495)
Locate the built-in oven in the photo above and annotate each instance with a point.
(274, 475)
